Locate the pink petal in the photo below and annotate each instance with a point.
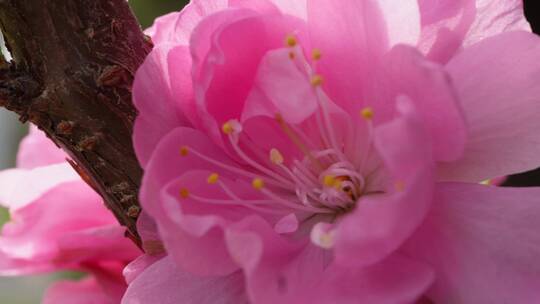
(296, 8)
(180, 73)
(381, 223)
(166, 169)
(494, 17)
(240, 41)
(167, 164)
(197, 10)
(168, 284)
(261, 6)
(201, 44)
(18, 267)
(449, 25)
(445, 24)
(404, 71)
(277, 270)
(193, 232)
(163, 30)
(86, 291)
(203, 34)
(496, 82)
(351, 36)
(280, 271)
(34, 229)
(178, 29)
(483, 243)
(146, 227)
(37, 150)
(20, 187)
(102, 243)
(403, 24)
(395, 280)
(109, 277)
(138, 266)
(153, 97)
(281, 86)
(287, 224)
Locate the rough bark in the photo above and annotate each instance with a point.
(73, 67)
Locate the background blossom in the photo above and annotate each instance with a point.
(59, 223)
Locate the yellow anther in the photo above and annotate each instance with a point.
(400, 186)
(184, 193)
(257, 183)
(213, 178)
(316, 54)
(367, 113)
(329, 181)
(326, 240)
(290, 41)
(184, 151)
(227, 128)
(276, 157)
(337, 185)
(322, 236)
(316, 80)
(231, 127)
(292, 55)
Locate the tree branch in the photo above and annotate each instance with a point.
(72, 69)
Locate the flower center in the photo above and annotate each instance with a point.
(323, 181)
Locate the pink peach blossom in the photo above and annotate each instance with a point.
(59, 223)
(322, 151)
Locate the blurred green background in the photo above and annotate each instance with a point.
(147, 10)
(29, 290)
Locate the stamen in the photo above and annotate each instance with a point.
(323, 103)
(272, 203)
(329, 180)
(316, 54)
(304, 187)
(400, 186)
(296, 141)
(184, 151)
(227, 128)
(276, 157)
(325, 181)
(301, 169)
(290, 41)
(289, 203)
(213, 178)
(184, 193)
(303, 137)
(317, 80)
(292, 55)
(367, 113)
(322, 131)
(257, 183)
(234, 169)
(338, 183)
(235, 200)
(231, 127)
(323, 235)
(258, 166)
